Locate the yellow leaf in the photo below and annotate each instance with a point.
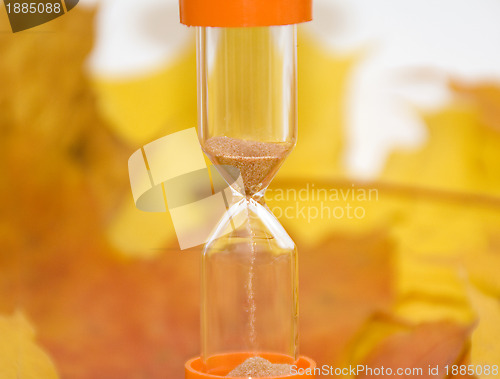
(485, 349)
(139, 234)
(142, 109)
(323, 79)
(430, 291)
(20, 356)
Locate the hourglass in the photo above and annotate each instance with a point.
(247, 124)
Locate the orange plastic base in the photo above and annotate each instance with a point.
(195, 369)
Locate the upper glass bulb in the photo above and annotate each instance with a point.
(247, 100)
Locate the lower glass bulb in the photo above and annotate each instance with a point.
(249, 287)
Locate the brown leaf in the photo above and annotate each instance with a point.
(426, 346)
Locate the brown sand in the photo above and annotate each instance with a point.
(257, 161)
(258, 367)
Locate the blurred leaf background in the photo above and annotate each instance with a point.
(90, 287)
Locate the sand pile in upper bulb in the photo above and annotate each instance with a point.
(257, 161)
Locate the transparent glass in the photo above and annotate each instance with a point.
(249, 286)
(247, 91)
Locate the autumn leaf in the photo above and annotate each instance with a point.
(485, 96)
(20, 355)
(485, 350)
(419, 349)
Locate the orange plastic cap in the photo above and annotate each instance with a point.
(224, 363)
(238, 13)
